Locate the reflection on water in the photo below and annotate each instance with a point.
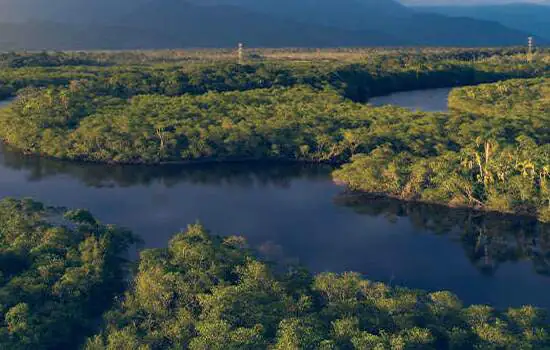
(488, 239)
(294, 213)
(432, 100)
(100, 175)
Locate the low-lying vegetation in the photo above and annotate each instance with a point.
(60, 269)
(511, 179)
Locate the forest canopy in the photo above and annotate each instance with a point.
(504, 166)
(208, 292)
(59, 270)
(64, 282)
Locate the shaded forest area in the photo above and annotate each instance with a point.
(205, 292)
(59, 270)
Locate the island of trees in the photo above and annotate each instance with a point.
(61, 269)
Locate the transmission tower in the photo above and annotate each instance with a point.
(530, 44)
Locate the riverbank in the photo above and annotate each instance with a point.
(275, 314)
(290, 214)
(408, 142)
(504, 168)
(359, 196)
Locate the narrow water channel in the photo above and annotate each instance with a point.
(432, 100)
(294, 213)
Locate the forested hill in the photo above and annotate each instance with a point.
(125, 24)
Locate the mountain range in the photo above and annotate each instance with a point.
(148, 24)
(531, 18)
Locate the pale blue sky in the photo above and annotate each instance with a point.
(469, 2)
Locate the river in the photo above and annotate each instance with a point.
(294, 213)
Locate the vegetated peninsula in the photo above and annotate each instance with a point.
(62, 269)
(503, 166)
(312, 111)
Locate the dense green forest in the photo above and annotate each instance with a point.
(290, 124)
(502, 162)
(297, 123)
(64, 280)
(528, 98)
(357, 74)
(59, 270)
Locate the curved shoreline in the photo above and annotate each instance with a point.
(347, 192)
(361, 195)
(171, 163)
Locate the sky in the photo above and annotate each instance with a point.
(470, 2)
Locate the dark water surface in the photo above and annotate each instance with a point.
(432, 100)
(294, 213)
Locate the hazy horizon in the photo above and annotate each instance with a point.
(471, 2)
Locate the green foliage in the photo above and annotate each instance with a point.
(205, 292)
(502, 160)
(45, 59)
(291, 110)
(290, 124)
(56, 279)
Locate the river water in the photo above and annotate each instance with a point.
(432, 100)
(295, 214)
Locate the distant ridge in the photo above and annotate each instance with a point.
(151, 24)
(531, 18)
